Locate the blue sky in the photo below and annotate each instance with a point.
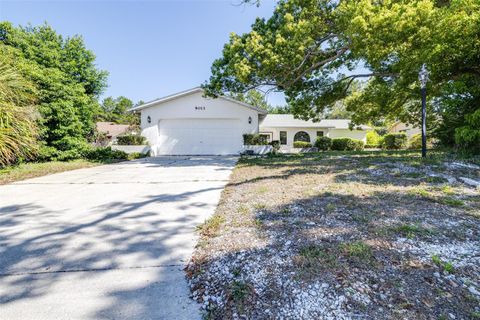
(150, 48)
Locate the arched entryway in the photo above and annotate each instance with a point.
(301, 136)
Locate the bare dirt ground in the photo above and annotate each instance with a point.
(335, 236)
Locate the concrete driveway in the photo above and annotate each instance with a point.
(108, 242)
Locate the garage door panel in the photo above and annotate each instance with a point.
(199, 136)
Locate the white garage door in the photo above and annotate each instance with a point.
(199, 136)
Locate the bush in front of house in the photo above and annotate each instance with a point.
(104, 154)
(374, 140)
(415, 142)
(347, 144)
(136, 155)
(131, 140)
(302, 144)
(254, 139)
(395, 141)
(275, 145)
(323, 143)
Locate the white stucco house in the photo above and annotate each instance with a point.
(187, 123)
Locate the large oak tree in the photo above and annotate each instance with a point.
(313, 50)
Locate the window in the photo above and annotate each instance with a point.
(319, 133)
(283, 137)
(301, 136)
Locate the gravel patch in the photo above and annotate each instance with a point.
(342, 237)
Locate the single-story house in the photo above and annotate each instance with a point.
(187, 123)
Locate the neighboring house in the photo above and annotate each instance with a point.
(400, 127)
(112, 130)
(286, 129)
(187, 123)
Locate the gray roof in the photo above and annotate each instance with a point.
(188, 92)
(288, 121)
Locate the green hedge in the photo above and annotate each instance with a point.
(347, 144)
(302, 144)
(395, 141)
(131, 140)
(254, 139)
(104, 153)
(323, 143)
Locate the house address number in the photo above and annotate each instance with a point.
(200, 108)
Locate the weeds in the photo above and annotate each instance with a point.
(408, 230)
(211, 226)
(313, 258)
(444, 265)
(357, 250)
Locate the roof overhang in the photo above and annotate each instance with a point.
(188, 92)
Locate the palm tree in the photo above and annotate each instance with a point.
(18, 129)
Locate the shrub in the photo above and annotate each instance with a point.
(136, 155)
(395, 141)
(18, 128)
(46, 153)
(467, 137)
(372, 146)
(347, 144)
(415, 141)
(276, 145)
(104, 154)
(302, 144)
(323, 143)
(131, 140)
(254, 139)
(373, 138)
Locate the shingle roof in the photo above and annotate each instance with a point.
(112, 129)
(287, 120)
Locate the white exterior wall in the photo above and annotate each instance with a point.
(185, 108)
(312, 132)
(346, 133)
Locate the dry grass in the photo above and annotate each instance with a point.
(32, 169)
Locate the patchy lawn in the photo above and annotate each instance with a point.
(32, 170)
(363, 235)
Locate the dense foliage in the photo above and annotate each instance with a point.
(312, 50)
(323, 143)
(302, 144)
(116, 110)
(131, 140)
(18, 130)
(347, 144)
(68, 84)
(254, 139)
(415, 142)
(395, 141)
(373, 138)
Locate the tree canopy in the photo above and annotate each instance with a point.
(116, 110)
(67, 80)
(313, 50)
